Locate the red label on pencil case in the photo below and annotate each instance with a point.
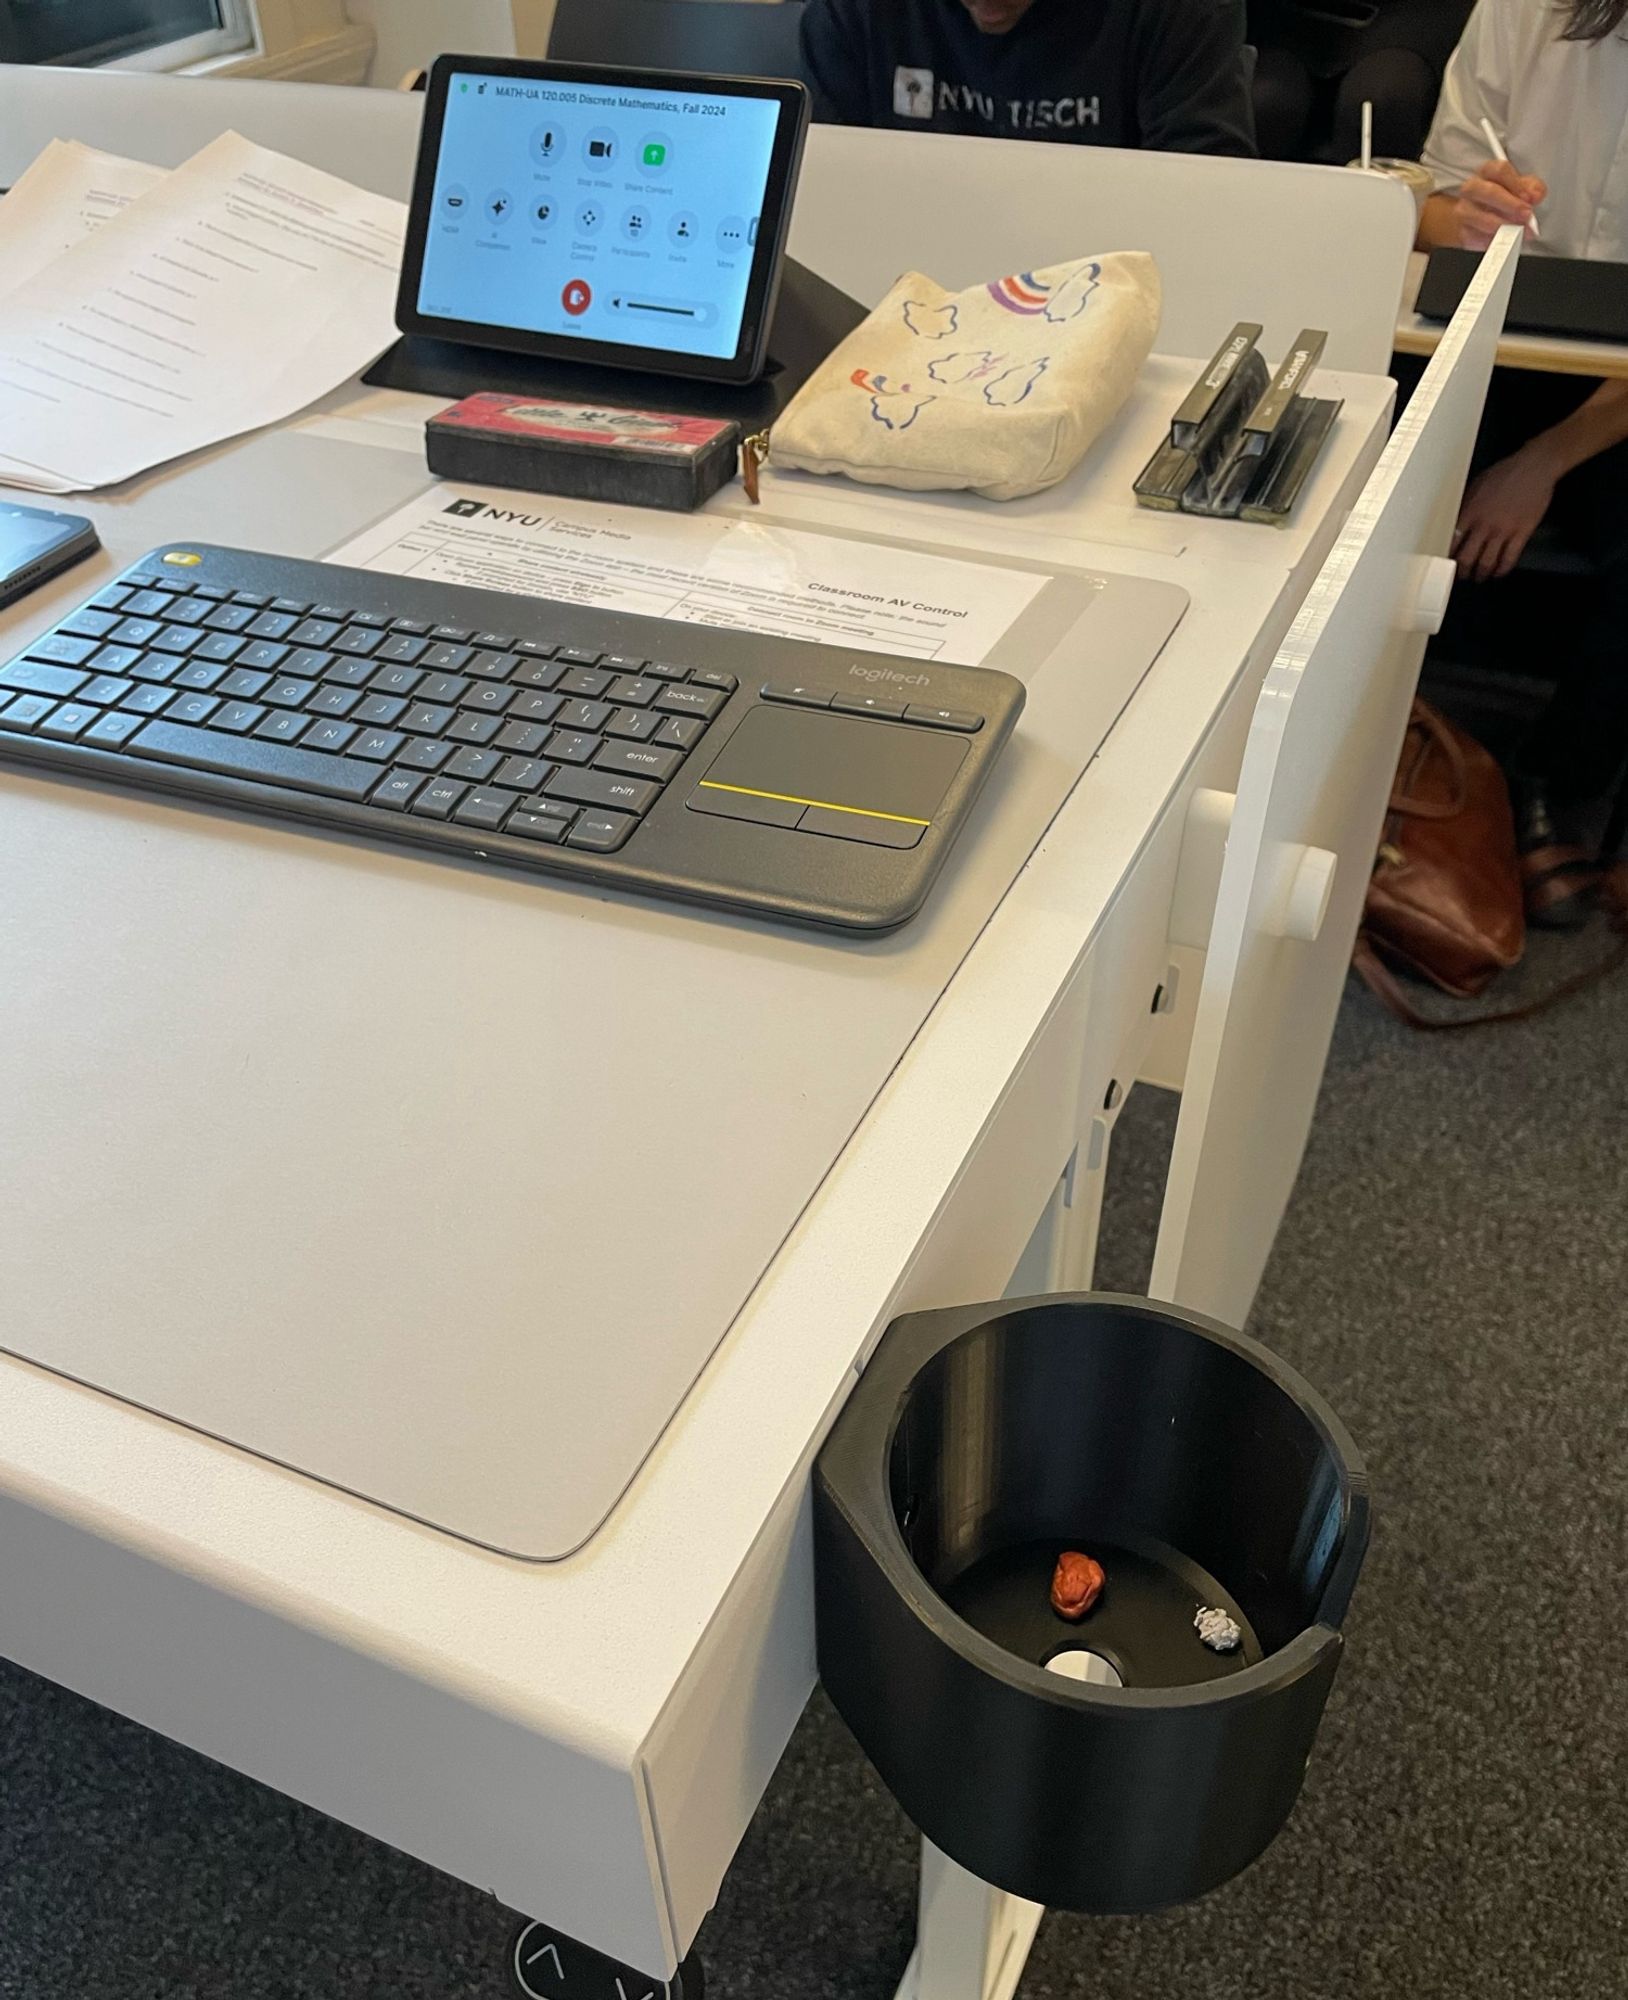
(584, 423)
(583, 450)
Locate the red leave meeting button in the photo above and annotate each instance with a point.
(577, 297)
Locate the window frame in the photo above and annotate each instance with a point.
(238, 36)
(236, 33)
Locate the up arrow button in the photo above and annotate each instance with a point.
(545, 1964)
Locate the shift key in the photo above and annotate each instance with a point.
(603, 788)
(39, 677)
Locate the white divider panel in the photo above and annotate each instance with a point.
(367, 136)
(1316, 776)
(1290, 246)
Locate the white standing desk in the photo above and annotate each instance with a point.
(588, 1739)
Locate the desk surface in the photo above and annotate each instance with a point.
(627, 1618)
(1544, 354)
(438, 1182)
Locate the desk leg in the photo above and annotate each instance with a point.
(1081, 1219)
(972, 1941)
(1062, 1252)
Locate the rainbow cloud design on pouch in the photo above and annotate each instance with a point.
(1005, 382)
(971, 366)
(1033, 298)
(1015, 386)
(1023, 294)
(931, 322)
(1073, 295)
(907, 403)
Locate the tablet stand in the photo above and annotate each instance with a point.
(811, 318)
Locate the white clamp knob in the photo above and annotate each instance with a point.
(1304, 905)
(1432, 584)
(1198, 873)
(1301, 878)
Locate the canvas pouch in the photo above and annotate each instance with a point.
(1000, 389)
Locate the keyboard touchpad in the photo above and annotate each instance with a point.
(852, 778)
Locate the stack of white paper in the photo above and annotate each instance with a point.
(69, 191)
(227, 295)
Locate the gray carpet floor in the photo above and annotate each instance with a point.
(1453, 1274)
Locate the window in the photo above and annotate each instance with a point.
(147, 34)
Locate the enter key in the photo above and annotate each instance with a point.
(639, 760)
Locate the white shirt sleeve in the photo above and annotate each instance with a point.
(1476, 86)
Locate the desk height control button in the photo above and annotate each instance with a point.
(800, 697)
(869, 704)
(946, 718)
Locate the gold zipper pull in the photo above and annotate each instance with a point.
(754, 454)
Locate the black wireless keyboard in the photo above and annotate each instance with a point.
(801, 781)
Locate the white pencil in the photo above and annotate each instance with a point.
(1498, 153)
(1367, 134)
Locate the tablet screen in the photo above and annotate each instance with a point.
(595, 212)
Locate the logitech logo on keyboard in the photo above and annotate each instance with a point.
(875, 674)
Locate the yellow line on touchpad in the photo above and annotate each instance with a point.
(791, 799)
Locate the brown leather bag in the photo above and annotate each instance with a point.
(1445, 898)
(1445, 901)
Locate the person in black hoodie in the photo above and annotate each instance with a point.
(1163, 74)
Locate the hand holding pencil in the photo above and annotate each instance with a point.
(1495, 196)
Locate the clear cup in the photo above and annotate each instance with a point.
(1410, 173)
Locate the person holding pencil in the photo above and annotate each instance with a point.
(1532, 129)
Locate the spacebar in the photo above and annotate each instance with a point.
(244, 757)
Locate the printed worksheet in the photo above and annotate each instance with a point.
(706, 569)
(70, 191)
(229, 296)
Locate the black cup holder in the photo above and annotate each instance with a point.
(1199, 1471)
